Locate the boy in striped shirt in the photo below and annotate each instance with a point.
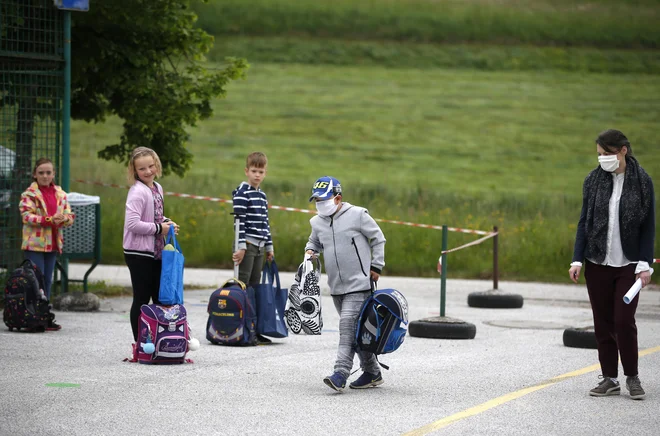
(251, 208)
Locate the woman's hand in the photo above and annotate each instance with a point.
(645, 276)
(574, 273)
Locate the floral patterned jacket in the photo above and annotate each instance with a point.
(37, 224)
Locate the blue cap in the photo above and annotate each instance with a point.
(325, 188)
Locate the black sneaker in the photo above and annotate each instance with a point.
(262, 340)
(367, 380)
(606, 388)
(635, 388)
(336, 381)
(53, 326)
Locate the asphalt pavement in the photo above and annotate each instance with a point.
(514, 378)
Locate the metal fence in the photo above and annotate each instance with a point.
(31, 94)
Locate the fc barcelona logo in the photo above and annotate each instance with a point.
(222, 304)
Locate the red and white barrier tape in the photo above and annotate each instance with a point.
(469, 244)
(293, 209)
(656, 260)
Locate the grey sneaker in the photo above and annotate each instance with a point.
(605, 388)
(635, 388)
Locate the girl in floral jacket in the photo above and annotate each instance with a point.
(45, 210)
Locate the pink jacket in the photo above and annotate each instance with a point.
(140, 230)
(37, 225)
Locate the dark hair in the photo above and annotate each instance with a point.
(613, 141)
(41, 161)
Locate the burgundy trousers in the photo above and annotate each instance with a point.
(614, 320)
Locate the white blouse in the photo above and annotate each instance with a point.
(615, 256)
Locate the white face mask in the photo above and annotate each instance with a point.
(327, 207)
(608, 163)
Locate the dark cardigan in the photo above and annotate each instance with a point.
(638, 246)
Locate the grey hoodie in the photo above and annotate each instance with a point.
(352, 244)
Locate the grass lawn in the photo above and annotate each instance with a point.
(603, 23)
(465, 148)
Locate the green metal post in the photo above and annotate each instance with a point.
(66, 122)
(443, 274)
(66, 110)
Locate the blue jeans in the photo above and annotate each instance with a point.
(348, 306)
(46, 264)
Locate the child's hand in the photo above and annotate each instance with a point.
(237, 257)
(58, 218)
(375, 276)
(270, 256)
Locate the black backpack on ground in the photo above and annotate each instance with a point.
(26, 306)
(232, 315)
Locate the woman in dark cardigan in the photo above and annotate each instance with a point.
(615, 237)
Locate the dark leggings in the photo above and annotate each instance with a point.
(145, 278)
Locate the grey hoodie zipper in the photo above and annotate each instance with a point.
(334, 245)
(358, 256)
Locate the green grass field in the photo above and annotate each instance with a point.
(395, 54)
(461, 147)
(603, 23)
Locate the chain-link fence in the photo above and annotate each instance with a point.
(31, 91)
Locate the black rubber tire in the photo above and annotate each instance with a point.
(580, 338)
(437, 328)
(495, 300)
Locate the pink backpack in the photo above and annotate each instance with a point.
(163, 330)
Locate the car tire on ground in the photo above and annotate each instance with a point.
(580, 338)
(442, 327)
(495, 299)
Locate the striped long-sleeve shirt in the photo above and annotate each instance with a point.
(251, 207)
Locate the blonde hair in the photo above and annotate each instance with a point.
(257, 160)
(139, 152)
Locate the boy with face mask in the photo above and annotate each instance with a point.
(354, 248)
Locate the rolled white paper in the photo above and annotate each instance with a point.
(634, 290)
(632, 293)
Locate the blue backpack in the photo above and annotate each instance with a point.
(379, 329)
(232, 315)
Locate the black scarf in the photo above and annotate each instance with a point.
(634, 206)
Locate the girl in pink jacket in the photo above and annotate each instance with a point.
(145, 227)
